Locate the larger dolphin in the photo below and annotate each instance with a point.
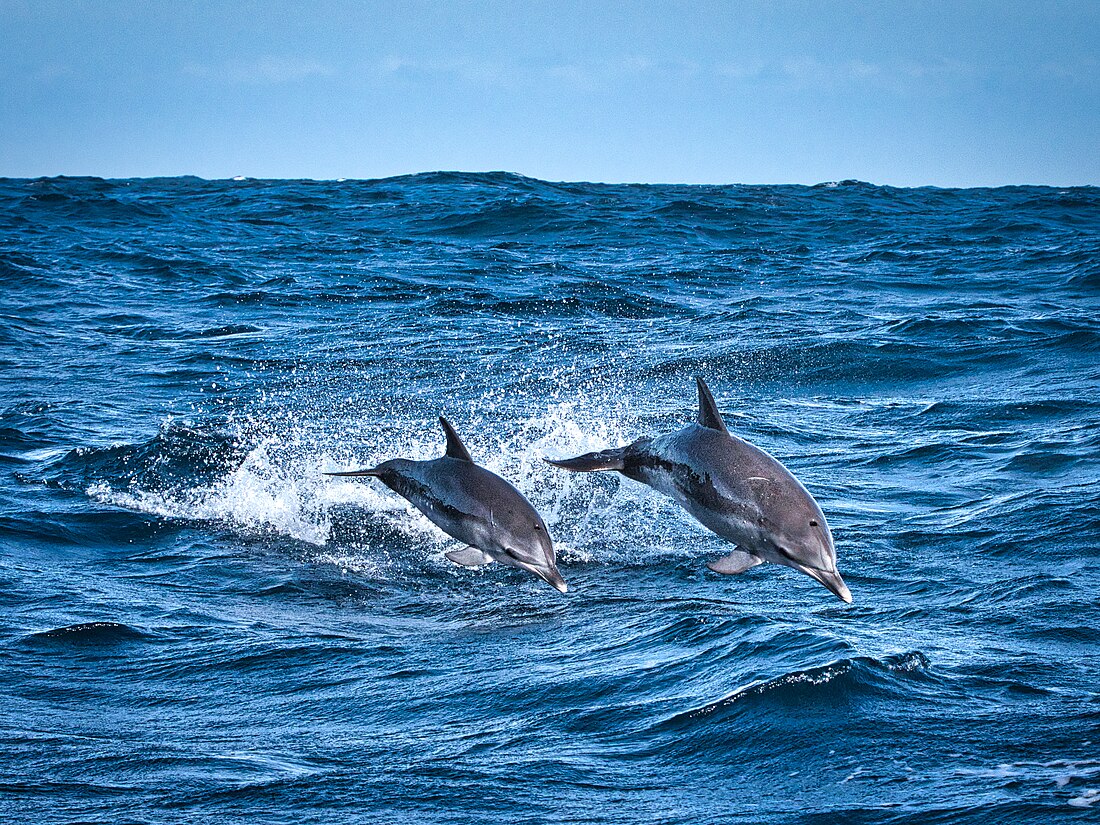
(735, 489)
(474, 506)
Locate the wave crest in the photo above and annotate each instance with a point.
(824, 683)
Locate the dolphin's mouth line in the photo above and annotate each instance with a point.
(549, 573)
(787, 554)
(783, 551)
(830, 579)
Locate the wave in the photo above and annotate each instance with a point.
(90, 633)
(181, 359)
(823, 685)
(144, 331)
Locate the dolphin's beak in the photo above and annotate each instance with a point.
(553, 578)
(832, 580)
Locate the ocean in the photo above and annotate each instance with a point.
(197, 626)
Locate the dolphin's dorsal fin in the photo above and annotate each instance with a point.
(455, 447)
(709, 416)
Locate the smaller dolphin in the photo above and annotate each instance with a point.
(475, 506)
(735, 489)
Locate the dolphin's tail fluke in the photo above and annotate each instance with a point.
(614, 459)
(374, 472)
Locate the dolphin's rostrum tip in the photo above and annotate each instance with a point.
(558, 583)
(834, 583)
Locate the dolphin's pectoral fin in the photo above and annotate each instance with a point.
(591, 462)
(736, 562)
(455, 447)
(709, 416)
(470, 557)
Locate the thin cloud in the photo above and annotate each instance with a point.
(264, 70)
(1084, 71)
(599, 74)
(50, 72)
(806, 72)
(462, 69)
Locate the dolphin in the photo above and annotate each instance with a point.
(735, 489)
(475, 506)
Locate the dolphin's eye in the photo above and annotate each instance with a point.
(813, 523)
(538, 526)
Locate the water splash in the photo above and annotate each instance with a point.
(279, 486)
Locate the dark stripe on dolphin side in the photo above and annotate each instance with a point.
(694, 485)
(414, 490)
(635, 459)
(406, 488)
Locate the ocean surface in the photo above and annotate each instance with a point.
(197, 626)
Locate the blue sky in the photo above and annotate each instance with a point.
(905, 93)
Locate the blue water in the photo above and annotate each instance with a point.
(197, 626)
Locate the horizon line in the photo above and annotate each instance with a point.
(826, 184)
